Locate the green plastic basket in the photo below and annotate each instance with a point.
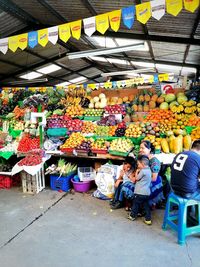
(56, 132)
(92, 118)
(136, 140)
(118, 153)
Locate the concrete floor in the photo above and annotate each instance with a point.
(54, 229)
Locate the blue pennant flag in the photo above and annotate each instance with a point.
(32, 39)
(155, 78)
(128, 16)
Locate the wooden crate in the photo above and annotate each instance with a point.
(33, 184)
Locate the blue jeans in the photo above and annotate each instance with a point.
(138, 201)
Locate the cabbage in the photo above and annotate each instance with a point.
(102, 96)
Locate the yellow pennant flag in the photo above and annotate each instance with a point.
(43, 37)
(174, 7)
(91, 86)
(76, 29)
(108, 85)
(115, 19)
(23, 40)
(64, 32)
(102, 23)
(191, 5)
(143, 12)
(163, 77)
(13, 43)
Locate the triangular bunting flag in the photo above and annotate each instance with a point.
(89, 26)
(76, 29)
(64, 32)
(53, 34)
(13, 43)
(23, 40)
(128, 15)
(158, 9)
(143, 12)
(115, 19)
(174, 7)
(191, 5)
(102, 23)
(43, 37)
(32, 39)
(4, 45)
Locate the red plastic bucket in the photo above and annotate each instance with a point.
(81, 186)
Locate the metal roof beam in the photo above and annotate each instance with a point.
(89, 6)
(150, 37)
(156, 61)
(11, 8)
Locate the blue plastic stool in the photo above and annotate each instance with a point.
(180, 216)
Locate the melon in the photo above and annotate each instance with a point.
(164, 105)
(96, 99)
(102, 96)
(181, 99)
(169, 98)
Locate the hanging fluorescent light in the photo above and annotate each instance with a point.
(42, 80)
(63, 84)
(104, 51)
(126, 72)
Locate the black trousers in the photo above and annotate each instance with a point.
(138, 201)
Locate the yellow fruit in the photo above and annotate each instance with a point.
(164, 145)
(187, 141)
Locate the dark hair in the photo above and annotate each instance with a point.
(131, 161)
(196, 144)
(149, 145)
(143, 159)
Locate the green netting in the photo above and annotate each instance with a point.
(14, 133)
(6, 155)
(189, 129)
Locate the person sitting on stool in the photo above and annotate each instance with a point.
(185, 171)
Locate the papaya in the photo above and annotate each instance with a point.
(171, 143)
(165, 145)
(187, 141)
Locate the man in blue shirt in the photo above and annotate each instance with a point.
(185, 172)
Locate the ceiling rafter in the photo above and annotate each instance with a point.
(151, 37)
(17, 12)
(156, 61)
(196, 23)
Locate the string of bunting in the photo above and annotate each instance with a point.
(107, 85)
(143, 12)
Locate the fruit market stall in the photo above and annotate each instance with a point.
(103, 125)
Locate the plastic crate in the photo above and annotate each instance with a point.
(5, 182)
(33, 184)
(118, 153)
(62, 183)
(86, 173)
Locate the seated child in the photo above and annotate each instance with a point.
(142, 189)
(128, 168)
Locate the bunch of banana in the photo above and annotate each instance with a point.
(177, 109)
(189, 110)
(189, 103)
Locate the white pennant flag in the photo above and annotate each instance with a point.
(158, 9)
(89, 25)
(4, 45)
(53, 34)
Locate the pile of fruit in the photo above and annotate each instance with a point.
(121, 128)
(74, 125)
(177, 144)
(88, 127)
(195, 133)
(27, 143)
(75, 111)
(98, 102)
(115, 109)
(102, 130)
(93, 112)
(108, 121)
(30, 160)
(85, 145)
(73, 141)
(99, 144)
(156, 141)
(121, 145)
